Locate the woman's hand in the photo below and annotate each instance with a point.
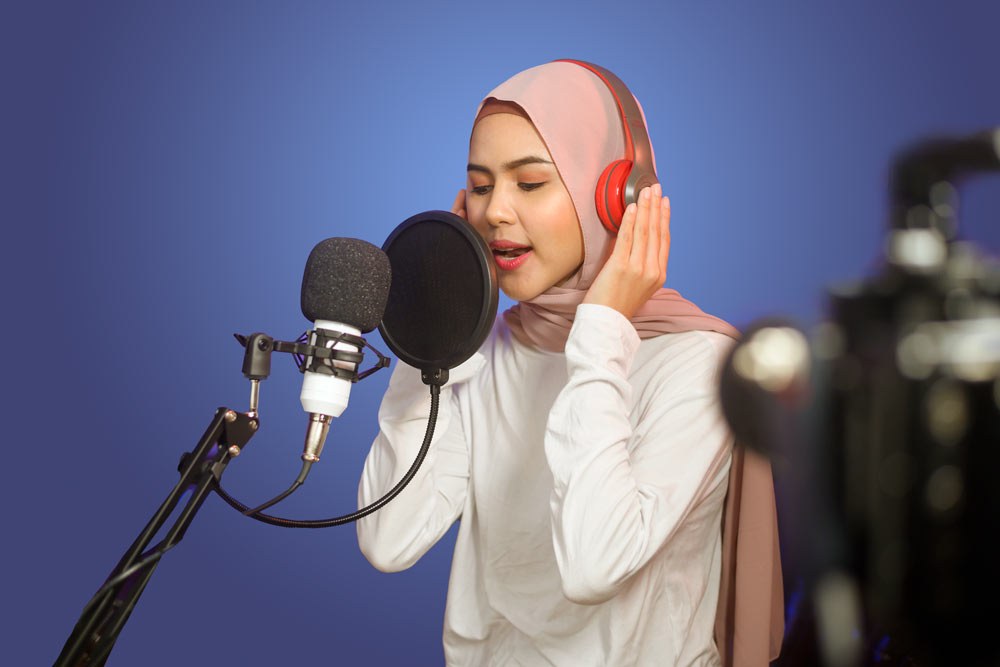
(637, 266)
(458, 208)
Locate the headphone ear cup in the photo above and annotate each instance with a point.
(609, 196)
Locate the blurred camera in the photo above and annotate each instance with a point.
(883, 427)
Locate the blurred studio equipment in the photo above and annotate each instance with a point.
(884, 425)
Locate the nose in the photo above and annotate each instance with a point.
(499, 209)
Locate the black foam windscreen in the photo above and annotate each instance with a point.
(444, 293)
(347, 281)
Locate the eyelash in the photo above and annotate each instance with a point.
(527, 187)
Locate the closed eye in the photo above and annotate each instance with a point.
(526, 187)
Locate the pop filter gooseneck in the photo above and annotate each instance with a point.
(444, 293)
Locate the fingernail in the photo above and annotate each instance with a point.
(644, 195)
(658, 189)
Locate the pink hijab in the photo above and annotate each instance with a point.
(577, 118)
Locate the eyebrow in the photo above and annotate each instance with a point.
(513, 164)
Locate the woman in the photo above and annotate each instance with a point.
(583, 447)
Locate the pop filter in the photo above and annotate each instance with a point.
(443, 297)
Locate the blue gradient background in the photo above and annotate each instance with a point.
(167, 168)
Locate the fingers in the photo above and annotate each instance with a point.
(650, 247)
(643, 239)
(641, 233)
(623, 240)
(656, 232)
(458, 207)
(664, 250)
(636, 268)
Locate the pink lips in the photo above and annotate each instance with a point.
(506, 261)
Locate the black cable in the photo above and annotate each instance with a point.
(146, 561)
(354, 516)
(273, 501)
(300, 480)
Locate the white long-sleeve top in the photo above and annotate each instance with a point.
(590, 487)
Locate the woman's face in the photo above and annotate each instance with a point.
(517, 201)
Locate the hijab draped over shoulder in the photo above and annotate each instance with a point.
(576, 116)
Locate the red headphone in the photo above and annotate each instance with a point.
(622, 180)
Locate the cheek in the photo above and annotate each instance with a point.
(473, 206)
(565, 225)
(474, 214)
(475, 203)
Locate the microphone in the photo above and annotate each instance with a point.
(345, 286)
(434, 288)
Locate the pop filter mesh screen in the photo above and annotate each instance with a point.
(437, 314)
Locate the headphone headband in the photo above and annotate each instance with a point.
(622, 180)
(637, 145)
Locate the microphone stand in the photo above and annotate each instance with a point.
(102, 620)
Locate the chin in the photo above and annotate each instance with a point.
(519, 292)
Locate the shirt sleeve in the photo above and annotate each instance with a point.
(620, 494)
(397, 535)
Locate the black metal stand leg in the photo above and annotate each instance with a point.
(102, 620)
